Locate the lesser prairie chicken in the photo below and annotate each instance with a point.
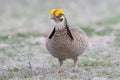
(65, 41)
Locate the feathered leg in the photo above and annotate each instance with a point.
(75, 61)
(59, 70)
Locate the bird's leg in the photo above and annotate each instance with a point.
(75, 61)
(59, 70)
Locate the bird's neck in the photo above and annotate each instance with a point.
(61, 25)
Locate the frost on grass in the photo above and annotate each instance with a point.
(33, 61)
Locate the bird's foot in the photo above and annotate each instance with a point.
(75, 67)
(59, 70)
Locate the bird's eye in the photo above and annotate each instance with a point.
(61, 19)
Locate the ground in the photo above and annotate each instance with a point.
(25, 24)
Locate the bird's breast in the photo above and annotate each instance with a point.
(61, 45)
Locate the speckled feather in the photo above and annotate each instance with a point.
(62, 47)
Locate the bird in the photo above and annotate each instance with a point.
(64, 41)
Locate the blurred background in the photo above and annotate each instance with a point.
(25, 24)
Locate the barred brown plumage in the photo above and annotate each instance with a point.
(64, 44)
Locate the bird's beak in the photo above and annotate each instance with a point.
(52, 17)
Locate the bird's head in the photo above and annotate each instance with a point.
(58, 16)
